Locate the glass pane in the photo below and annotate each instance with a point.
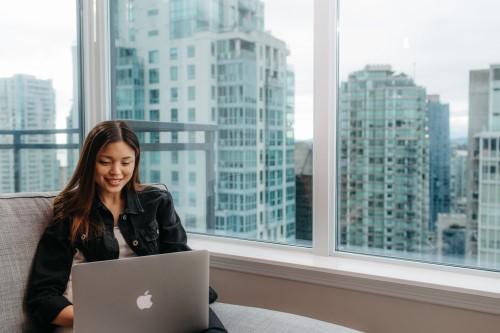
(38, 100)
(227, 79)
(419, 122)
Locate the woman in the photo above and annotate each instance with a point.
(103, 213)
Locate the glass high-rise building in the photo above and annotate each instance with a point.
(27, 105)
(440, 153)
(384, 161)
(223, 91)
(484, 159)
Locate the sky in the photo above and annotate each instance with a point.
(435, 42)
(36, 38)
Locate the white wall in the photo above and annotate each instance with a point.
(366, 312)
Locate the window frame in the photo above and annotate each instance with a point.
(465, 288)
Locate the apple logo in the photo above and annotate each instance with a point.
(144, 301)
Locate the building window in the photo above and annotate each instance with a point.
(191, 72)
(191, 50)
(192, 157)
(153, 12)
(154, 115)
(175, 177)
(191, 114)
(191, 93)
(153, 56)
(155, 176)
(154, 137)
(173, 94)
(173, 73)
(173, 115)
(173, 53)
(191, 221)
(154, 76)
(192, 199)
(154, 158)
(175, 157)
(154, 96)
(192, 178)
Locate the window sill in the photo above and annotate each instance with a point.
(447, 286)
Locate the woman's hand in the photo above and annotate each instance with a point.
(65, 317)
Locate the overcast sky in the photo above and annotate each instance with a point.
(437, 42)
(36, 38)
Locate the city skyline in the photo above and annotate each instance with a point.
(415, 49)
(221, 72)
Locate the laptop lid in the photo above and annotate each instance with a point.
(159, 293)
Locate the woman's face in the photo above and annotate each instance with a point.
(114, 168)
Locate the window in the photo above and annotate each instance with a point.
(173, 94)
(402, 123)
(260, 101)
(173, 73)
(152, 12)
(175, 178)
(153, 56)
(191, 93)
(155, 158)
(154, 76)
(154, 96)
(173, 53)
(154, 115)
(153, 33)
(38, 93)
(191, 73)
(155, 176)
(192, 178)
(173, 115)
(191, 51)
(192, 199)
(191, 114)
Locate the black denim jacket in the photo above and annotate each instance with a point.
(149, 225)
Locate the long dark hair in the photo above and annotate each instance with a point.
(76, 199)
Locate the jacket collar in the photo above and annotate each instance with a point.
(132, 202)
(133, 205)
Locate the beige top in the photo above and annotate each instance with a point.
(125, 252)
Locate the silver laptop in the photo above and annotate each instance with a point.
(160, 293)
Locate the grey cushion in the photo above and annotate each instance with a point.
(237, 318)
(23, 217)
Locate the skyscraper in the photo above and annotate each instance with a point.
(304, 189)
(384, 161)
(439, 151)
(458, 180)
(484, 160)
(28, 104)
(223, 83)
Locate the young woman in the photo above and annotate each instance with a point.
(103, 213)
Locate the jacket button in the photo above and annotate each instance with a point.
(135, 242)
(124, 217)
(83, 237)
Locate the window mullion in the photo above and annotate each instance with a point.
(95, 62)
(324, 208)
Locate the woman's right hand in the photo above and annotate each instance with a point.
(65, 317)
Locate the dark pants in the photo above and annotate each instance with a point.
(214, 323)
